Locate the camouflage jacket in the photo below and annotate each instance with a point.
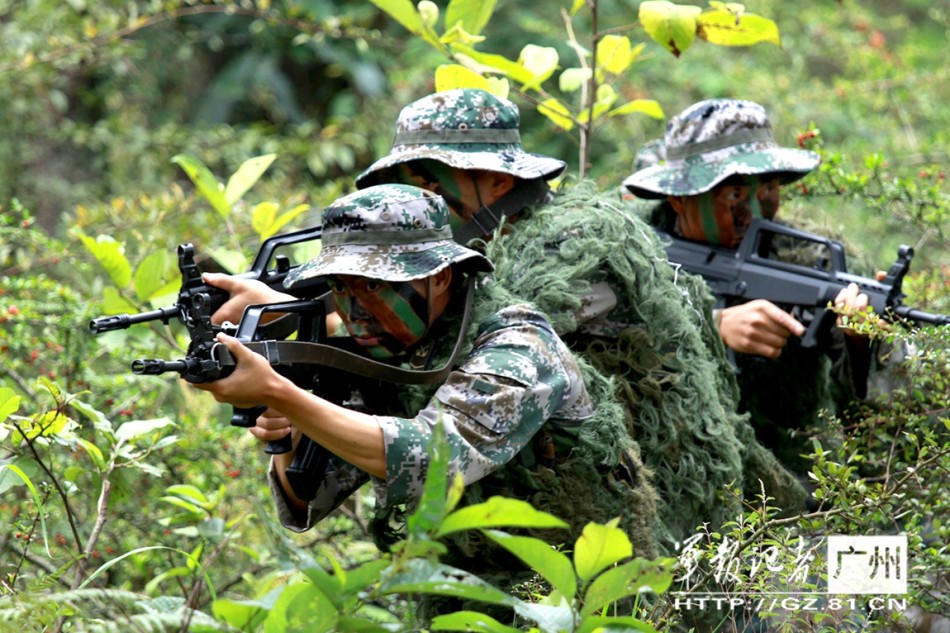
(517, 378)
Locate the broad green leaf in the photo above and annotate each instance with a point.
(452, 76)
(406, 14)
(40, 510)
(187, 506)
(470, 621)
(572, 79)
(540, 61)
(18, 472)
(283, 219)
(554, 566)
(207, 185)
(246, 177)
(606, 96)
(98, 419)
(598, 624)
(108, 253)
(498, 63)
(473, 15)
(93, 451)
(263, 215)
(187, 491)
(672, 26)
(423, 576)
(42, 424)
(9, 403)
(634, 577)
(648, 107)
(557, 113)
(358, 578)
(301, 607)
(727, 29)
(154, 275)
(614, 54)
(138, 428)
(431, 507)
(328, 584)
(498, 512)
(115, 303)
(598, 547)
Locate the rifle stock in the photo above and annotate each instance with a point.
(755, 271)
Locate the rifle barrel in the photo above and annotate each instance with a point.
(122, 321)
(920, 316)
(154, 366)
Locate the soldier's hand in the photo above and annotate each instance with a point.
(242, 293)
(272, 425)
(251, 383)
(758, 327)
(851, 302)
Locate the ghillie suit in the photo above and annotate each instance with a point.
(658, 344)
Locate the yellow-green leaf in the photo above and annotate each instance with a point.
(614, 54)
(648, 107)
(207, 185)
(246, 177)
(9, 403)
(406, 14)
(498, 512)
(725, 28)
(283, 219)
(557, 113)
(114, 303)
(154, 275)
(540, 62)
(472, 15)
(452, 76)
(598, 547)
(672, 26)
(578, 4)
(458, 35)
(572, 79)
(108, 253)
(262, 216)
(497, 63)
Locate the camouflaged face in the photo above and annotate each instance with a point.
(712, 140)
(465, 129)
(388, 232)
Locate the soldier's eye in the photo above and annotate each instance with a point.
(336, 286)
(373, 285)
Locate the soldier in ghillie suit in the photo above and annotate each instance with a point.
(718, 168)
(602, 278)
(516, 393)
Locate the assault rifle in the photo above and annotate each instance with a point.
(197, 301)
(759, 269)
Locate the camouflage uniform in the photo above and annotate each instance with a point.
(705, 144)
(601, 277)
(516, 385)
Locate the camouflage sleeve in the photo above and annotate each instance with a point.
(518, 375)
(340, 480)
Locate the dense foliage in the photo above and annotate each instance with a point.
(129, 503)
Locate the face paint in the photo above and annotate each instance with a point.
(384, 317)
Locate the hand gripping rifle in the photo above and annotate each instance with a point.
(197, 301)
(756, 270)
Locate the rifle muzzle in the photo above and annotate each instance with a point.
(154, 366)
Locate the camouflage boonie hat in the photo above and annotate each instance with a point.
(712, 140)
(466, 129)
(387, 232)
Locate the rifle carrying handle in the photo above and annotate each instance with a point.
(246, 418)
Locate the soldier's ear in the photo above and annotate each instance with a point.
(676, 202)
(442, 280)
(500, 183)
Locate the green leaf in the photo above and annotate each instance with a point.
(424, 576)
(472, 14)
(470, 621)
(637, 576)
(406, 14)
(572, 79)
(9, 402)
(672, 26)
(246, 177)
(614, 54)
(108, 253)
(452, 76)
(597, 624)
(648, 107)
(725, 28)
(431, 507)
(207, 185)
(93, 451)
(358, 578)
(115, 303)
(498, 63)
(138, 428)
(557, 113)
(598, 547)
(578, 4)
(554, 566)
(301, 607)
(262, 217)
(186, 491)
(498, 512)
(283, 219)
(155, 274)
(540, 62)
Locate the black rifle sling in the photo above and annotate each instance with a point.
(308, 353)
(488, 218)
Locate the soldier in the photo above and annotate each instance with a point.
(602, 277)
(722, 168)
(519, 417)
